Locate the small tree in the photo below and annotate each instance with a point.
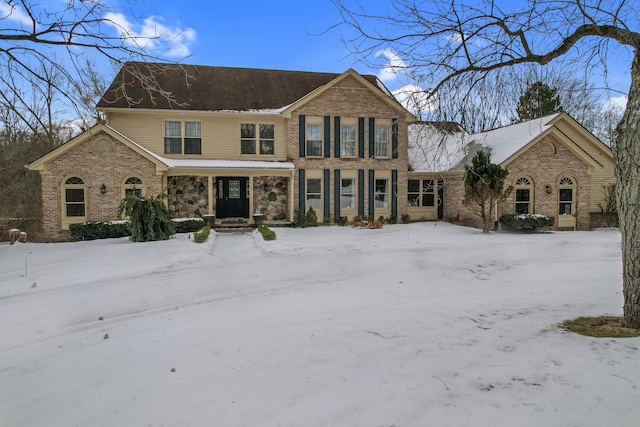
(484, 186)
(537, 101)
(149, 218)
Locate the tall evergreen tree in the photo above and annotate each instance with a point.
(484, 186)
(537, 101)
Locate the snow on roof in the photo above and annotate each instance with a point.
(434, 149)
(205, 163)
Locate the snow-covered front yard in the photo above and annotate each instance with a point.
(412, 325)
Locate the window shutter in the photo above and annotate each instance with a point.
(361, 192)
(394, 192)
(336, 193)
(301, 190)
(327, 136)
(372, 193)
(302, 134)
(336, 137)
(394, 138)
(361, 139)
(327, 194)
(372, 136)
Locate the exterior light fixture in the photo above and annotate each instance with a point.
(548, 189)
(103, 189)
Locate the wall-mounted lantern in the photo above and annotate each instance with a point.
(103, 189)
(548, 189)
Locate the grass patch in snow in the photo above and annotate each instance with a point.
(601, 327)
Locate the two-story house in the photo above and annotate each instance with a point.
(232, 142)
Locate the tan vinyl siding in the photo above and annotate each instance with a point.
(220, 132)
(600, 175)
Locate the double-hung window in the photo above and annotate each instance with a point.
(173, 137)
(314, 140)
(348, 141)
(565, 196)
(257, 138)
(381, 141)
(74, 197)
(348, 193)
(523, 196)
(314, 193)
(421, 192)
(382, 193)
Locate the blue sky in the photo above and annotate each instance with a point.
(278, 34)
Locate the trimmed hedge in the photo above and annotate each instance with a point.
(267, 233)
(202, 235)
(527, 222)
(99, 230)
(113, 229)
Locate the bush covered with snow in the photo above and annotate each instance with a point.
(527, 222)
(202, 235)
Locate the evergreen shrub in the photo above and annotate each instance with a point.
(527, 222)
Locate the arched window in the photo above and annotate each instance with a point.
(524, 196)
(133, 186)
(74, 204)
(566, 196)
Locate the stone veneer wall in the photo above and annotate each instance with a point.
(542, 168)
(354, 103)
(117, 163)
(188, 196)
(270, 195)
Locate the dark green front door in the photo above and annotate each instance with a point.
(232, 197)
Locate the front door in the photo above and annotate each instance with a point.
(233, 197)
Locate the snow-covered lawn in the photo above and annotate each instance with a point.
(411, 325)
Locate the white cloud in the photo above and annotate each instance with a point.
(154, 35)
(394, 65)
(615, 102)
(414, 99)
(14, 13)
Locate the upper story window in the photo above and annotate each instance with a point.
(348, 141)
(173, 137)
(382, 138)
(314, 140)
(250, 144)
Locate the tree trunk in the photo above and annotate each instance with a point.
(627, 164)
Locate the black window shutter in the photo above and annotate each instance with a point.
(372, 193)
(361, 192)
(336, 136)
(327, 194)
(301, 190)
(394, 138)
(361, 139)
(302, 134)
(394, 192)
(327, 136)
(336, 192)
(372, 136)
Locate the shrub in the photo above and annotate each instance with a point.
(357, 218)
(342, 220)
(267, 233)
(202, 235)
(149, 218)
(527, 222)
(312, 218)
(406, 218)
(392, 219)
(188, 225)
(98, 230)
(299, 219)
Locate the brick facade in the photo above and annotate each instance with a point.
(348, 102)
(545, 164)
(116, 162)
